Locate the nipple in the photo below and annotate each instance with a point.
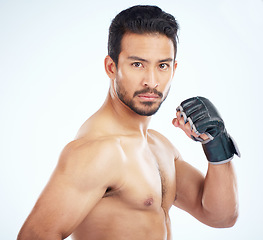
(148, 202)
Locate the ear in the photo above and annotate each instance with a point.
(110, 67)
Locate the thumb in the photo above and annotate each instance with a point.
(175, 122)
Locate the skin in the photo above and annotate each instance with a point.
(118, 179)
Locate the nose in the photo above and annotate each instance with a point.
(150, 79)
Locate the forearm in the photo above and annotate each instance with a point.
(219, 199)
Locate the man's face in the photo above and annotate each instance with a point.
(145, 69)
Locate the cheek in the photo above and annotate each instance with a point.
(167, 84)
(124, 85)
(127, 79)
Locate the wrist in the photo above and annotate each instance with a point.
(221, 149)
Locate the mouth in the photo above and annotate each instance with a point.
(148, 97)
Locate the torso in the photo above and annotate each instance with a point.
(138, 207)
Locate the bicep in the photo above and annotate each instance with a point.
(189, 188)
(78, 183)
(63, 204)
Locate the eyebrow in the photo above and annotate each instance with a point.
(137, 59)
(144, 60)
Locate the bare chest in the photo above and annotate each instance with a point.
(147, 179)
(137, 207)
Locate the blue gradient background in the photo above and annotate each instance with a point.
(52, 79)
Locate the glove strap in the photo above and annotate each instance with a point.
(221, 149)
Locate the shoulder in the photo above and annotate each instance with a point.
(159, 139)
(91, 156)
(84, 146)
(158, 136)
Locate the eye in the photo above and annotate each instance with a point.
(137, 64)
(164, 66)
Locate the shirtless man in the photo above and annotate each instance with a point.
(118, 179)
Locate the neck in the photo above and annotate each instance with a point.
(125, 119)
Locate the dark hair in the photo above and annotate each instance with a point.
(140, 19)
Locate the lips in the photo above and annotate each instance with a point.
(148, 96)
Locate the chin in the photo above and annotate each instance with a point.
(146, 112)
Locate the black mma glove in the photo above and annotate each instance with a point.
(205, 119)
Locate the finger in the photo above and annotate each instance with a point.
(189, 102)
(204, 136)
(197, 107)
(185, 127)
(180, 115)
(175, 122)
(181, 122)
(179, 108)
